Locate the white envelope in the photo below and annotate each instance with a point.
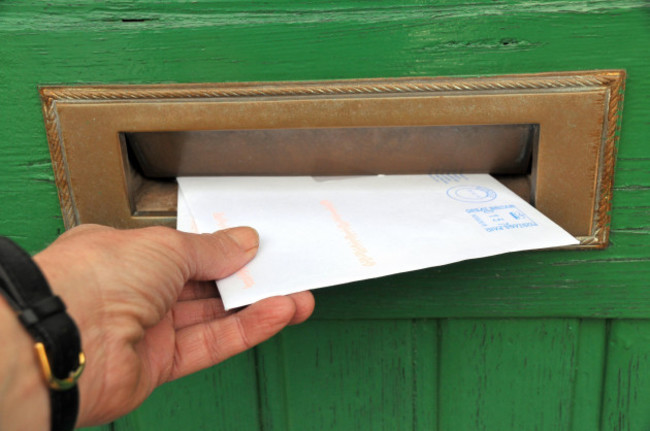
(323, 231)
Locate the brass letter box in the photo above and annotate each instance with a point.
(550, 137)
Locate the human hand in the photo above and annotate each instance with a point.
(148, 311)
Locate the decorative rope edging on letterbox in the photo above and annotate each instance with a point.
(322, 89)
(55, 141)
(606, 180)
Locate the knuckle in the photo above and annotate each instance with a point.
(220, 241)
(241, 331)
(83, 229)
(224, 249)
(163, 234)
(175, 246)
(212, 344)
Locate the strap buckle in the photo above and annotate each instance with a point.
(52, 381)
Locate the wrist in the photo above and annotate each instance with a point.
(24, 400)
(43, 317)
(58, 278)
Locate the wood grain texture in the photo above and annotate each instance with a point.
(627, 381)
(587, 390)
(460, 363)
(512, 374)
(225, 395)
(329, 384)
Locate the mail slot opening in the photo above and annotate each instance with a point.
(154, 159)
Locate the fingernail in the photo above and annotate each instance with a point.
(246, 238)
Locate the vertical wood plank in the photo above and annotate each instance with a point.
(272, 379)
(223, 397)
(507, 374)
(589, 375)
(425, 374)
(626, 402)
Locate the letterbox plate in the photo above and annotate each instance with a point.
(576, 114)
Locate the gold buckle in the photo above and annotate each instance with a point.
(52, 381)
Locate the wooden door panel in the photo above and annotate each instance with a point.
(507, 374)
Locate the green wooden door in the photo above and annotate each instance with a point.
(556, 340)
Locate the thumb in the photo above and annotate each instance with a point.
(217, 255)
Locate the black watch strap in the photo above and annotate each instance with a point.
(58, 343)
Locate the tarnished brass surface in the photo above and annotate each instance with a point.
(572, 167)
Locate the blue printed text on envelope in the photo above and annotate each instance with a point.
(501, 217)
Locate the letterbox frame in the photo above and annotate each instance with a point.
(578, 114)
